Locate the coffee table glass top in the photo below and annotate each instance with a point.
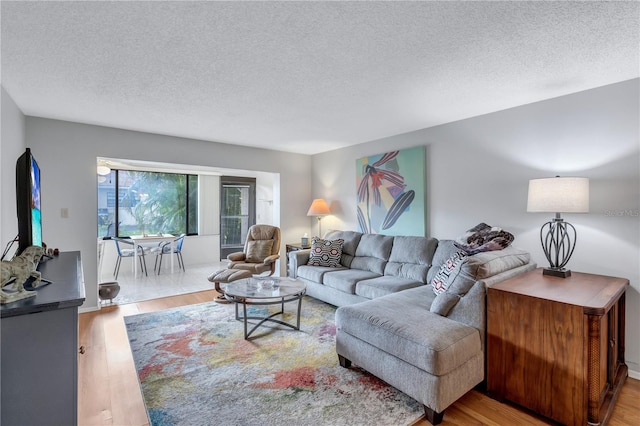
(265, 291)
(265, 288)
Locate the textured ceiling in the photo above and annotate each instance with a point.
(305, 77)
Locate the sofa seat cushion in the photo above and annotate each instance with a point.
(381, 286)
(315, 273)
(346, 280)
(408, 331)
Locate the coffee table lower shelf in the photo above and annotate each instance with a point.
(252, 291)
(262, 319)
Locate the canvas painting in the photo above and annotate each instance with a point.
(391, 192)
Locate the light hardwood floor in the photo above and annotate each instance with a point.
(109, 393)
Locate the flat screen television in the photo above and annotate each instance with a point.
(28, 202)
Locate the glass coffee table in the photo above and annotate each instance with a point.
(265, 291)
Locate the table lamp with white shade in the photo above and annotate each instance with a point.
(558, 195)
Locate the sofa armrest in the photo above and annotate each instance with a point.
(471, 308)
(297, 258)
(490, 281)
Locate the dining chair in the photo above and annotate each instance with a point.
(128, 252)
(165, 248)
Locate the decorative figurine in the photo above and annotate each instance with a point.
(21, 268)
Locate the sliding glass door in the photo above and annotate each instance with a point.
(237, 212)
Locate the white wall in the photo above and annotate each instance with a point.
(67, 152)
(478, 171)
(12, 146)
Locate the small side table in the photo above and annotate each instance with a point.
(556, 345)
(293, 247)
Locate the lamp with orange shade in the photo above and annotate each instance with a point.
(319, 208)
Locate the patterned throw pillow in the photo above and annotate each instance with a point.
(443, 278)
(325, 252)
(258, 250)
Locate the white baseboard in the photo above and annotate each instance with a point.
(634, 374)
(88, 309)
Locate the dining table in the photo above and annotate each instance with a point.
(145, 240)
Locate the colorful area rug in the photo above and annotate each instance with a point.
(195, 368)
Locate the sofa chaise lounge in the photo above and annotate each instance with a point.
(391, 322)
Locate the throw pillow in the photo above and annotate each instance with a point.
(325, 252)
(258, 250)
(443, 278)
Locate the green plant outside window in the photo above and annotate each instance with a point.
(141, 202)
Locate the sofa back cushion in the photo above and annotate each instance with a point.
(469, 271)
(411, 257)
(372, 253)
(487, 264)
(351, 240)
(481, 265)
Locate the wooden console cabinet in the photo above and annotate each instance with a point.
(556, 345)
(39, 349)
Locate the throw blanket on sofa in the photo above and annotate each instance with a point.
(483, 237)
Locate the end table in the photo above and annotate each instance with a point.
(556, 345)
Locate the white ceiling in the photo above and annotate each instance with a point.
(305, 77)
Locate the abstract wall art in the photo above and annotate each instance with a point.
(391, 192)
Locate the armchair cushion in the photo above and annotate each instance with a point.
(258, 250)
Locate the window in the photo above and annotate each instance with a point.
(137, 202)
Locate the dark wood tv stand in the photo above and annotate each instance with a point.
(39, 348)
(556, 345)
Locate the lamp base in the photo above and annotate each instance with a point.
(557, 272)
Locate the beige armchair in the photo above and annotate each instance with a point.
(261, 250)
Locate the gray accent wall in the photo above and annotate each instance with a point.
(478, 170)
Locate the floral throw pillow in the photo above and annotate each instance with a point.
(443, 278)
(325, 252)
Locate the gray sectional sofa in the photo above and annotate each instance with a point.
(390, 321)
